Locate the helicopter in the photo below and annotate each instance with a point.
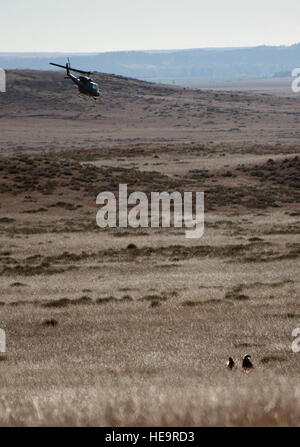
(85, 84)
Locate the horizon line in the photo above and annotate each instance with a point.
(147, 50)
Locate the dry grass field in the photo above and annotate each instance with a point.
(123, 327)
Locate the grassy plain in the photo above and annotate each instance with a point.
(134, 326)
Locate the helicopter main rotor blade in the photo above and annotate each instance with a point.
(57, 65)
(80, 71)
(70, 68)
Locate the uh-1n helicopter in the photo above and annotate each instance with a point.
(85, 84)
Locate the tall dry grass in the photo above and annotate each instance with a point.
(260, 400)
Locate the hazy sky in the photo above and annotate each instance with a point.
(98, 25)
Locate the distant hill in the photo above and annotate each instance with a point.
(207, 63)
(42, 111)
